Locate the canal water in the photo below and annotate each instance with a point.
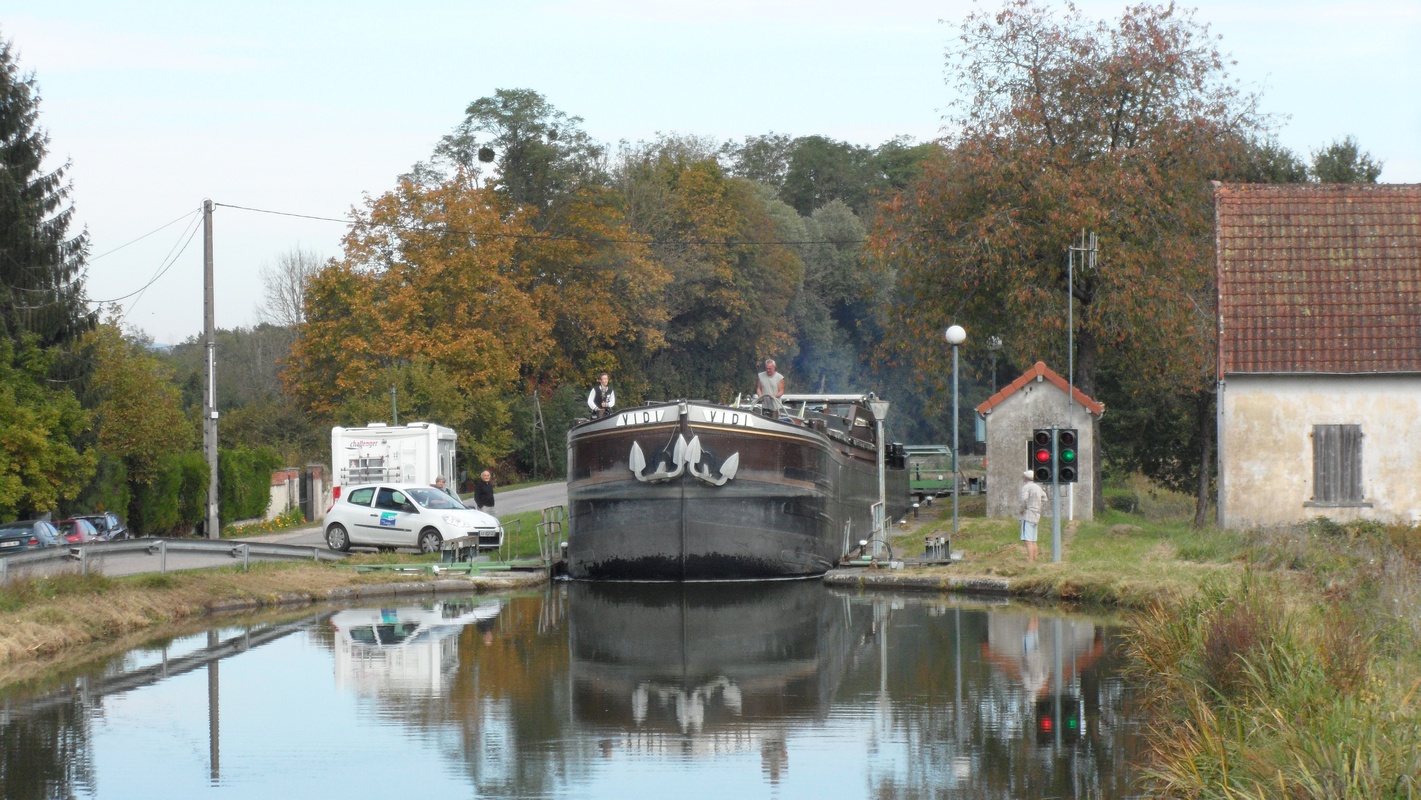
(781, 690)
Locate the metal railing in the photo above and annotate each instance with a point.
(90, 551)
(550, 532)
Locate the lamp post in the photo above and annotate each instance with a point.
(955, 335)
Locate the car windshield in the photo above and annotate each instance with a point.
(434, 498)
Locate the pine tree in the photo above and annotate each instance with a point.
(41, 265)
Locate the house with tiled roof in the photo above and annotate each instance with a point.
(1038, 399)
(1319, 352)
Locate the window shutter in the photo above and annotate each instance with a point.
(1337, 463)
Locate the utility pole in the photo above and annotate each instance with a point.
(209, 395)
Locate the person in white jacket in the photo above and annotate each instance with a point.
(602, 399)
(1029, 512)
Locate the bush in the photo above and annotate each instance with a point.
(154, 509)
(244, 482)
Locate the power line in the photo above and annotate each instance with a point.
(171, 259)
(144, 236)
(542, 236)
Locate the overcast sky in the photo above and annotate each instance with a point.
(305, 107)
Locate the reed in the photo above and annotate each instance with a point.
(1298, 680)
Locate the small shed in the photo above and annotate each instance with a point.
(1038, 399)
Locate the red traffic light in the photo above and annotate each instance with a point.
(1043, 456)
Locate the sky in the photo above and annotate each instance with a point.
(306, 108)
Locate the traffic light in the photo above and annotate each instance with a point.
(1038, 454)
(1067, 724)
(1066, 466)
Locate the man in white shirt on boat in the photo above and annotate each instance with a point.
(771, 386)
(602, 399)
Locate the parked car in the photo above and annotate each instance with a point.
(27, 535)
(406, 515)
(76, 531)
(108, 524)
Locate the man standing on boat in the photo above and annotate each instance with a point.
(1033, 497)
(602, 399)
(771, 386)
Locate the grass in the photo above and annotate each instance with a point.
(1280, 663)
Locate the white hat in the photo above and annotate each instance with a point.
(1028, 474)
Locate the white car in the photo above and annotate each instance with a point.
(401, 515)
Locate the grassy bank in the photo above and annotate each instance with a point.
(1281, 663)
(48, 621)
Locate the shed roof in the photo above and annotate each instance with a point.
(1318, 278)
(1039, 369)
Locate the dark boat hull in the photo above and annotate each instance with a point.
(696, 492)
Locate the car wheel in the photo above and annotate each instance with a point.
(429, 540)
(337, 538)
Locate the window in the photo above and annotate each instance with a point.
(390, 499)
(1337, 464)
(360, 497)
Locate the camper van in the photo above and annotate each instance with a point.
(378, 453)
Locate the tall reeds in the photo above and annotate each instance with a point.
(1302, 679)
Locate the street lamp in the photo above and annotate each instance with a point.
(955, 336)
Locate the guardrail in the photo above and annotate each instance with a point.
(245, 551)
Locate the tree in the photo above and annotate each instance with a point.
(1068, 126)
(763, 159)
(821, 170)
(541, 153)
(40, 465)
(284, 287)
(1344, 162)
(41, 265)
(731, 285)
(427, 275)
(138, 414)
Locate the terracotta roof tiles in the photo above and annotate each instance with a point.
(1040, 369)
(1318, 278)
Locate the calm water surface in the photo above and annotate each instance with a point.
(786, 690)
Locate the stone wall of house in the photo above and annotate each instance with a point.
(1266, 464)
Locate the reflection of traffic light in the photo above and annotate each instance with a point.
(1068, 725)
(1039, 454)
(1066, 466)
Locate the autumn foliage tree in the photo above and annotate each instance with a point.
(1069, 126)
(731, 278)
(426, 279)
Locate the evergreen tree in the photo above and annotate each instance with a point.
(41, 266)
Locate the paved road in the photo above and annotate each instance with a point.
(513, 501)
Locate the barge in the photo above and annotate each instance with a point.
(689, 490)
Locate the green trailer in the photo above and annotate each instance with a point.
(929, 471)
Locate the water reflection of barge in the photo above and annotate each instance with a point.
(708, 664)
(690, 490)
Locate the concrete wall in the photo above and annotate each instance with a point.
(1266, 449)
(286, 492)
(1038, 404)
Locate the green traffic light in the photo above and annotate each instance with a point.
(1068, 455)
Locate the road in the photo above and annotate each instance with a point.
(511, 501)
